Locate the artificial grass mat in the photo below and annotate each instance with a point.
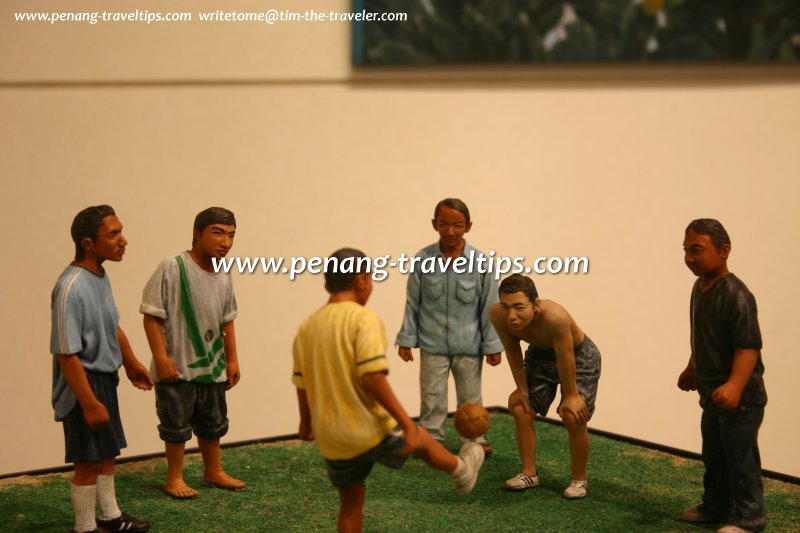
(630, 489)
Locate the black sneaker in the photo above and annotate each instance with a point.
(124, 522)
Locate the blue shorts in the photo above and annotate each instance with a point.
(346, 473)
(542, 375)
(81, 443)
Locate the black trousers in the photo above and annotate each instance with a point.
(734, 492)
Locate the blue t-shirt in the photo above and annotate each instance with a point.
(84, 322)
(447, 313)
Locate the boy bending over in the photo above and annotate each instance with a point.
(559, 353)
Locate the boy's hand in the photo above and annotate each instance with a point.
(166, 370)
(576, 406)
(139, 376)
(494, 359)
(727, 396)
(232, 369)
(688, 380)
(305, 433)
(412, 438)
(405, 354)
(519, 397)
(96, 416)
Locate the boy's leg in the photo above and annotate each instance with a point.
(578, 446)
(351, 508)
(435, 454)
(83, 494)
(525, 435)
(467, 371)
(86, 447)
(111, 518)
(463, 469)
(106, 493)
(740, 441)
(210, 424)
(174, 404)
(716, 494)
(587, 375)
(175, 485)
(433, 373)
(212, 461)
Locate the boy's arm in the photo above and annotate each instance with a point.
(491, 345)
(231, 358)
(407, 338)
(729, 393)
(571, 400)
(688, 379)
(94, 412)
(305, 416)
(377, 384)
(514, 356)
(135, 370)
(165, 368)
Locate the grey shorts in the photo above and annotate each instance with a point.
(186, 406)
(346, 473)
(83, 444)
(542, 375)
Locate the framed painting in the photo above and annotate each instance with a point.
(577, 31)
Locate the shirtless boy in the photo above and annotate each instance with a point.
(559, 352)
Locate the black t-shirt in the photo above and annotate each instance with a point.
(723, 319)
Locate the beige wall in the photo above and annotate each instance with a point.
(272, 122)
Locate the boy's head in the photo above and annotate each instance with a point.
(519, 300)
(350, 273)
(98, 230)
(451, 220)
(711, 227)
(214, 230)
(706, 247)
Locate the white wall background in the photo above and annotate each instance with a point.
(273, 123)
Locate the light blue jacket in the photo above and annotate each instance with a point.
(448, 313)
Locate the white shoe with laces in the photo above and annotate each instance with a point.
(576, 489)
(522, 482)
(730, 528)
(471, 455)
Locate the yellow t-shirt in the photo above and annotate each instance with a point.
(334, 347)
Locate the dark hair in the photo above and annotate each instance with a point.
(342, 277)
(711, 227)
(519, 283)
(212, 215)
(452, 203)
(86, 224)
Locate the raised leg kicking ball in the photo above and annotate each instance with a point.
(471, 420)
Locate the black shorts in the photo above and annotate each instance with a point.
(542, 375)
(346, 473)
(81, 443)
(186, 406)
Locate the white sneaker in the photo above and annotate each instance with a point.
(730, 528)
(522, 482)
(576, 489)
(471, 454)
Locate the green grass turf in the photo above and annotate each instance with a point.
(631, 489)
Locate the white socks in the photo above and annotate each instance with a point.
(106, 498)
(83, 500)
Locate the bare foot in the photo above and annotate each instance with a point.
(223, 481)
(179, 489)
